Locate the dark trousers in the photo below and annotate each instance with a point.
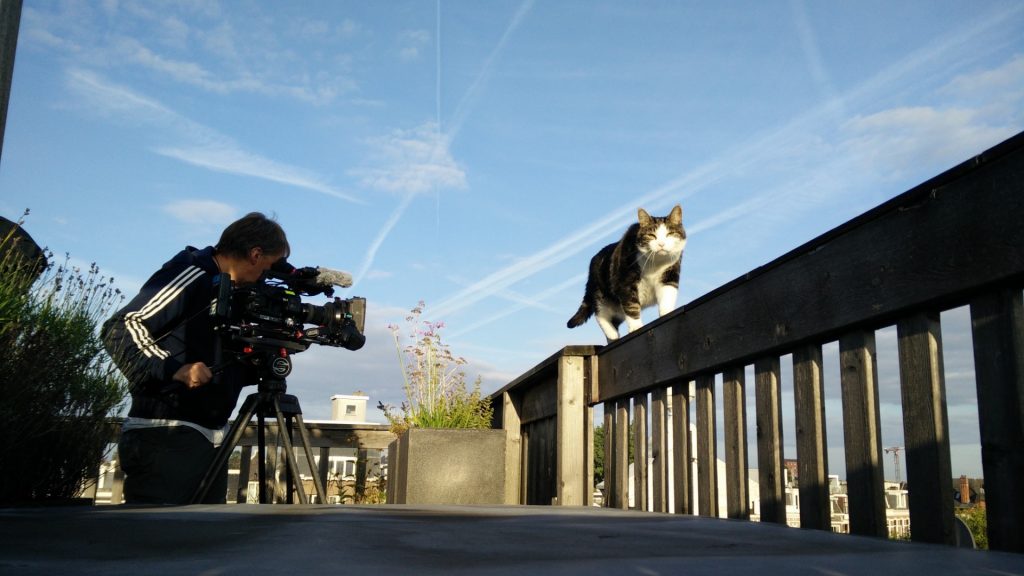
(165, 466)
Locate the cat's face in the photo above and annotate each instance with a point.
(662, 237)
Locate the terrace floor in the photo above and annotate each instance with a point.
(399, 540)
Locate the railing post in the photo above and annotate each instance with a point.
(770, 464)
(323, 469)
(808, 387)
(610, 487)
(640, 452)
(707, 458)
(997, 321)
(621, 454)
(737, 487)
(659, 450)
(244, 464)
(589, 394)
(862, 430)
(511, 422)
(925, 429)
(571, 448)
(682, 475)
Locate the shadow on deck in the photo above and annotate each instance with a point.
(447, 540)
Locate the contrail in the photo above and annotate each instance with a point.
(469, 99)
(689, 183)
(443, 139)
(385, 230)
(575, 281)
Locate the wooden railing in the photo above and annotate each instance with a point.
(957, 239)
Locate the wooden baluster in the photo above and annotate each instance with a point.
(707, 459)
(659, 450)
(622, 454)
(736, 484)
(926, 429)
(681, 457)
(862, 431)
(997, 321)
(610, 487)
(771, 473)
(815, 508)
(640, 452)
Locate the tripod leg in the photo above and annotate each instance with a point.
(224, 452)
(261, 456)
(321, 494)
(293, 466)
(290, 473)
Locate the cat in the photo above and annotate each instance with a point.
(638, 271)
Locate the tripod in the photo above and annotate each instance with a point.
(269, 401)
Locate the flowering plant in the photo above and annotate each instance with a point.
(58, 385)
(434, 383)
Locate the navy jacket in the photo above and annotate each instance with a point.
(169, 325)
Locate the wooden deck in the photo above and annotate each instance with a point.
(399, 540)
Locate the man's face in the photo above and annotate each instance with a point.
(254, 266)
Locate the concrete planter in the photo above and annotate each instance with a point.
(438, 466)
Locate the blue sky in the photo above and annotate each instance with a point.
(475, 155)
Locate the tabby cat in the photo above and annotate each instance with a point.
(638, 271)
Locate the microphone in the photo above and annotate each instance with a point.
(311, 280)
(326, 277)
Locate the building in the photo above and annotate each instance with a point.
(349, 408)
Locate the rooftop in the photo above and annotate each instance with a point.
(494, 540)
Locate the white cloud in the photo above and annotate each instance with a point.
(202, 212)
(197, 46)
(1006, 79)
(411, 43)
(412, 161)
(198, 144)
(894, 142)
(231, 160)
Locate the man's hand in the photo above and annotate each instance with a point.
(193, 375)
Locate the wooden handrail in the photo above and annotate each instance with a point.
(954, 240)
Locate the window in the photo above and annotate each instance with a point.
(350, 409)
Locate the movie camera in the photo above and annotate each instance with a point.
(270, 316)
(262, 325)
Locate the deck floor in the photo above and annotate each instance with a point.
(399, 540)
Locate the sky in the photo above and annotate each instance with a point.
(475, 155)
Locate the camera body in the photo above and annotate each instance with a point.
(278, 311)
(269, 319)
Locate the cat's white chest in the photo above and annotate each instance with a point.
(647, 291)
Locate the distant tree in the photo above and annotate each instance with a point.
(976, 520)
(599, 440)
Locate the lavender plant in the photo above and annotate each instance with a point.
(434, 382)
(58, 387)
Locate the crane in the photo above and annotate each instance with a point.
(895, 450)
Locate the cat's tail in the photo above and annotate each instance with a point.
(581, 316)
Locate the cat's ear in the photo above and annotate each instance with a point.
(645, 218)
(676, 215)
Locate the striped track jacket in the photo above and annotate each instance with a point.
(166, 326)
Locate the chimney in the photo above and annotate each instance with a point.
(349, 407)
(965, 490)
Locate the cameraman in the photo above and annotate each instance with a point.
(164, 342)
